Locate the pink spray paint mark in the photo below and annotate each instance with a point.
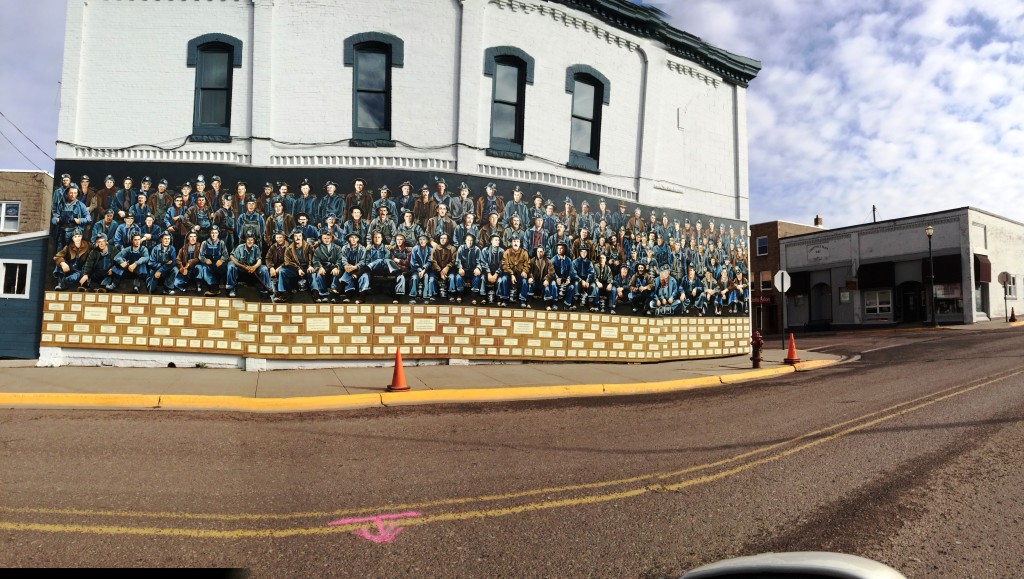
(386, 532)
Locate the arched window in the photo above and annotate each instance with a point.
(590, 90)
(372, 56)
(213, 56)
(511, 70)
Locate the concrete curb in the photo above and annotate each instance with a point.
(384, 399)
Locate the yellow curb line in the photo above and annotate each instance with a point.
(134, 401)
(241, 403)
(355, 401)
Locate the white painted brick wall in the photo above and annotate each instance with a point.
(134, 87)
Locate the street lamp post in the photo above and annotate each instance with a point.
(929, 231)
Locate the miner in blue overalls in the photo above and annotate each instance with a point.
(161, 266)
(247, 259)
(70, 215)
(132, 261)
(213, 262)
(354, 272)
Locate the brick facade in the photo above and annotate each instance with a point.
(34, 189)
(768, 317)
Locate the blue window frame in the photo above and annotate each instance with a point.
(371, 91)
(590, 90)
(214, 57)
(510, 69)
(372, 55)
(508, 105)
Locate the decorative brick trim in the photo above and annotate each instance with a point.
(558, 180)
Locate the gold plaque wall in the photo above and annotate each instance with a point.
(316, 331)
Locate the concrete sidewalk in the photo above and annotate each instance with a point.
(339, 388)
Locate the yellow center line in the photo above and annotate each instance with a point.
(935, 397)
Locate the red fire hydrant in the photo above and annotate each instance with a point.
(756, 345)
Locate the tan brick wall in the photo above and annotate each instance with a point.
(34, 190)
(295, 331)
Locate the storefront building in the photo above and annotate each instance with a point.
(880, 273)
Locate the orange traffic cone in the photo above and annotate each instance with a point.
(1013, 315)
(398, 379)
(791, 358)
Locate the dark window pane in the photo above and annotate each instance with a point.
(506, 83)
(581, 131)
(503, 122)
(15, 278)
(371, 70)
(213, 70)
(371, 111)
(213, 107)
(583, 100)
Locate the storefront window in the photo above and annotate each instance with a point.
(949, 298)
(878, 302)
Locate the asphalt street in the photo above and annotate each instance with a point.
(907, 454)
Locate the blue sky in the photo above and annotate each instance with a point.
(909, 105)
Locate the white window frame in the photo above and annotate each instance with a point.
(757, 245)
(28, 278)
(3, 216)
(1011, 286)
(769, 281)
(873, 303)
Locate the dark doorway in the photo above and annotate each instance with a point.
(821, 304)
(910, 300)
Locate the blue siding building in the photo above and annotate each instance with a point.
(23, 270)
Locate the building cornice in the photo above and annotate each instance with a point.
(649, 22)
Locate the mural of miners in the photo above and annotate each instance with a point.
(373, 245)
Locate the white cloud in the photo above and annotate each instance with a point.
(912, 105)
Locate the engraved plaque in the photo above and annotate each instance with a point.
(387, 319)
(122, 320)
(93, 314)
(318, 324)
(345, 329)
(424, 325)
(163, 311)
(358, 319)
(461, 321)
(136, 310)
(274, 319)
(610, 332)
(525, 328)
(203, 318)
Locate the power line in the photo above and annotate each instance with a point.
(26, 136)
(20, 151)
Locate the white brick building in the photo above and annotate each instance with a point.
(670, 131)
